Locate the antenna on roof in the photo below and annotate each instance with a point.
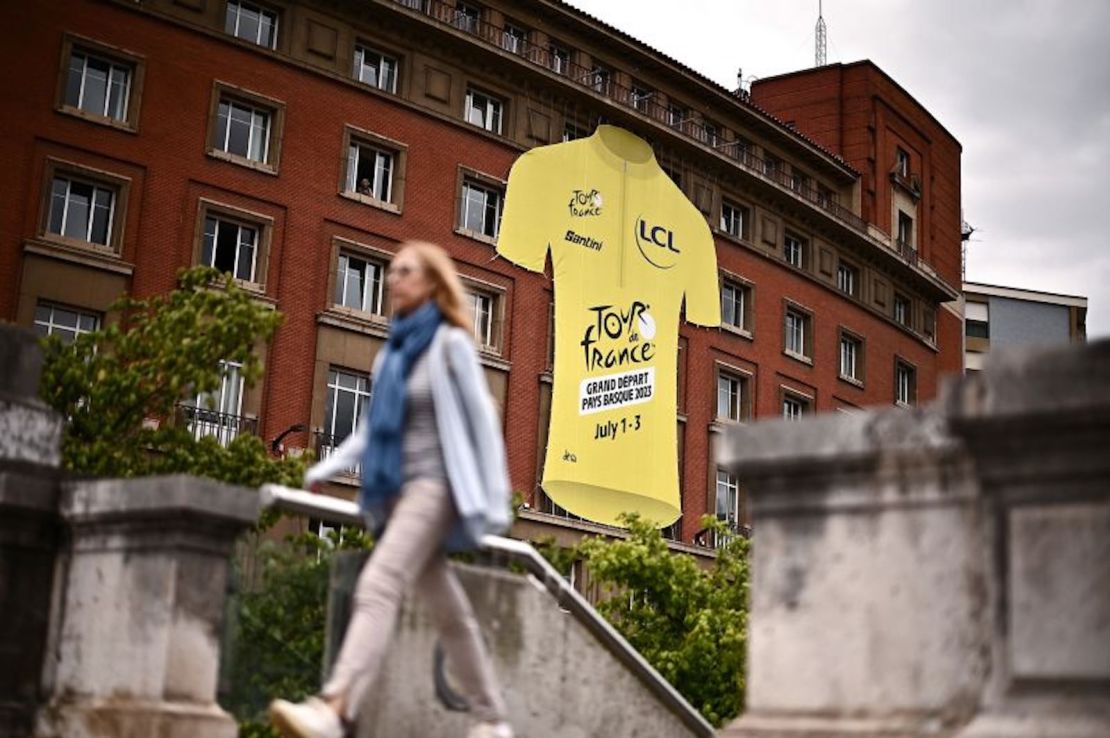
(743, 84)
(822, 41)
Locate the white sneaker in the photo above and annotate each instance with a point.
(491, 730)
(309, 719)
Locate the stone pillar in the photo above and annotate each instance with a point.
(1038, 425)
(868, 612)
(136, 652)
(30, 437)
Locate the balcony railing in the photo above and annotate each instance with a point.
(710, 538)
(223, 426)
(548, 506)
(909, 181)
(325, 445)
(907, 251)
(602, 82)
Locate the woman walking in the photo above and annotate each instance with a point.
(433, 467)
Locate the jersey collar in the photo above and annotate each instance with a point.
(621, 149)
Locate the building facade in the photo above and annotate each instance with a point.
(1006, 317)
(296, 144)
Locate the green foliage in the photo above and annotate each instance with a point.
(689, 622)
(277, 645)
(118, 386)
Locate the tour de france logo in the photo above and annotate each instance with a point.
(585, 203)
(621, 339)
(657, 244)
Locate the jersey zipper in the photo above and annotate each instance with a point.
(623, 220)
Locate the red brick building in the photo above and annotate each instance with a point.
(909, 165)
(295, 144)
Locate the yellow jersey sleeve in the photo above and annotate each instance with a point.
(525, 232)
(702, 290)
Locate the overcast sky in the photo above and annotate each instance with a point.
(1024, 85)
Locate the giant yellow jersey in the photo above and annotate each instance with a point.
(627, 246)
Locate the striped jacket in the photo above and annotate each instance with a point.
(469, 434)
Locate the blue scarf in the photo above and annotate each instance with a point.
(409, 337)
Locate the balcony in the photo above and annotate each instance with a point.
(601, 82)
(709, 538)
(907, 251)
(224, 427)
(325, 445)
(908, 181)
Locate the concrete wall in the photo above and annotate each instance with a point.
(941, 572)
(1023, 323)
(557, 678)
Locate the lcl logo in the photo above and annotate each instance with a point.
(656, 244)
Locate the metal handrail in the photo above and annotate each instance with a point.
(709, 537)
(224, 427)
(334, 510)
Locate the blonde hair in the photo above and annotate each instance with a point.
(447, 290)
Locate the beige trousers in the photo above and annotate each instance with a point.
(410, 551)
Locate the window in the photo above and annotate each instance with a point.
(905, 229)
(219, 413)
(734, 219)
(347, 401)
(482, 306)
(641, 98)
(252, 23)
(977, 329)
(712, 133)
(797, 330)
(230, 247)
(771, 166)
(735, 304)
(672, 172)
(483, 110)
(798, 181)
(600, 78)
(794, 250)
(98, 85)
(572, 132)
(825, 196)
(731, 400)
(375, 68)
(81, 210)
(676, 115)
(851, 358)
(794, 406)
(902, 163)
(513, 38)
(360, 284)
(728, 497)
(902, 310)
(370, 171)
(742, 150)
(66, 323)
(560, 59)
(243, 130)
(905, 383)
(929, 323)
(467, 17)
(481, 209)
(847, 279)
